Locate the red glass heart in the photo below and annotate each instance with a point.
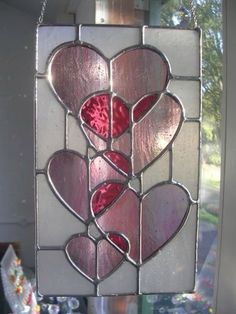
(95, 113)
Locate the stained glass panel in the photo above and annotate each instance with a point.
(117, 171)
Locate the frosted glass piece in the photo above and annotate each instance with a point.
(94, 231)
(103, 38)
(181, 47)
(48, 38)
(189, 94)
(76, 138)
(135, 184)
(57, 277)
(49, 124)
(157, 172)
(123, 281)
(186, 143)
(173, 268)
(52, 215)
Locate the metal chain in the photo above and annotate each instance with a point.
(193, 12)
(43, 9)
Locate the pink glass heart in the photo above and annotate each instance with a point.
(164, 210)
(81, 252)
(75, 72)
(156, 131)
(137, 72)
(67, 175)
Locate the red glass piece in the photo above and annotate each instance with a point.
(123, 217)
(165, 209)
(82, 253)
(119, 161)
(105, 195)
(153, 134)
(144, 105)
(109, 258)
(138, 72)
(120, 241)
(75, 72)
(120, 117)
(67, 174)
(95, 113)
(101, 171)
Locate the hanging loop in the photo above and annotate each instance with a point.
(193, 13)
(42, 13)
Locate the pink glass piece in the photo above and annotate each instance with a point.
(122, 144)
(120, 117)
(82, 253)
(95, 113)
(105, 195)
(101, 171)
(120, 241)
(67, 174)
(109, 258)
(144, 105)
(75, 72)
(165, 209)
(95, 140)
(118, 160)
(138, 72)
(123, 217)
(153, 134)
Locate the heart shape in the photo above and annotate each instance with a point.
(164, 210)
(82, 250)
(76, 71)
(156, 120)
(68, 177)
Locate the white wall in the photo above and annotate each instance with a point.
(17, 42)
